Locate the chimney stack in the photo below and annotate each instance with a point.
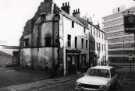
(48, 1)
(66, 7)
(76, 13)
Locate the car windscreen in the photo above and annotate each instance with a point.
(98, 72)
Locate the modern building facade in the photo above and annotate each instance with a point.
(56, 39)
(120, 44)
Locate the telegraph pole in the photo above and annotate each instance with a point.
(64, 50)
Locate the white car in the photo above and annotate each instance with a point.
(98, 78)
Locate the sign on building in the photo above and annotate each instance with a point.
(129, 23)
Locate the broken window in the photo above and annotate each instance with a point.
(26, 42)
(43, 17)
(48, 41)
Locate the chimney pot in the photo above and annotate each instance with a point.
(73, 11)
(66, 7)
(78, 10)
(66, 4)
(62, 4)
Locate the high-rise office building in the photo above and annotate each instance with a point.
(120, 44)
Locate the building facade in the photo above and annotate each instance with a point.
(120, 44)
(56, 39)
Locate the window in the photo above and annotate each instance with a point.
(102, 36)
(91, 32)
(82, 42)
(26, 42)
(102, 47)
(72, 24)
(99, 47)
(43, 18)
(98, 72)
(99, 34)
(75, 42)
(47, 41)
(86, 43)
(69, 41)
(84, 29)
(96, 33)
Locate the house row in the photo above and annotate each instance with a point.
(55, 39)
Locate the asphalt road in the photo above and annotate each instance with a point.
(68, 86)
(10, 76)
(13, 77)
(126, 79)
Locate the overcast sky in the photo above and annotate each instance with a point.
(14, 14)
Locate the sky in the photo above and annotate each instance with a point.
(15, 13)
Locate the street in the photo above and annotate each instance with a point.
(9, 77)
(126, 78)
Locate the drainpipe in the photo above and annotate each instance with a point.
(64, 50)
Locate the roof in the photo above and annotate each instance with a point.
(10, 47)
(71, 17)
(102, 67)
(79, 20)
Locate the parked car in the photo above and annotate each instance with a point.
(98, 78)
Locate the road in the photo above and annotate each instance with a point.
(126, 78)
(14, 77)
(66, 86)
(10, 76)
(128, 81)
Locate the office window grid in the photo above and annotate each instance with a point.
(120, 39)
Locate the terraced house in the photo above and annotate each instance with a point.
(56, 39)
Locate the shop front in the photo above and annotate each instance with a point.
(73, 62)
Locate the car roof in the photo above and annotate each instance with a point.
(102, 67)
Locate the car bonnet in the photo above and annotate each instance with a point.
(93, 80)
